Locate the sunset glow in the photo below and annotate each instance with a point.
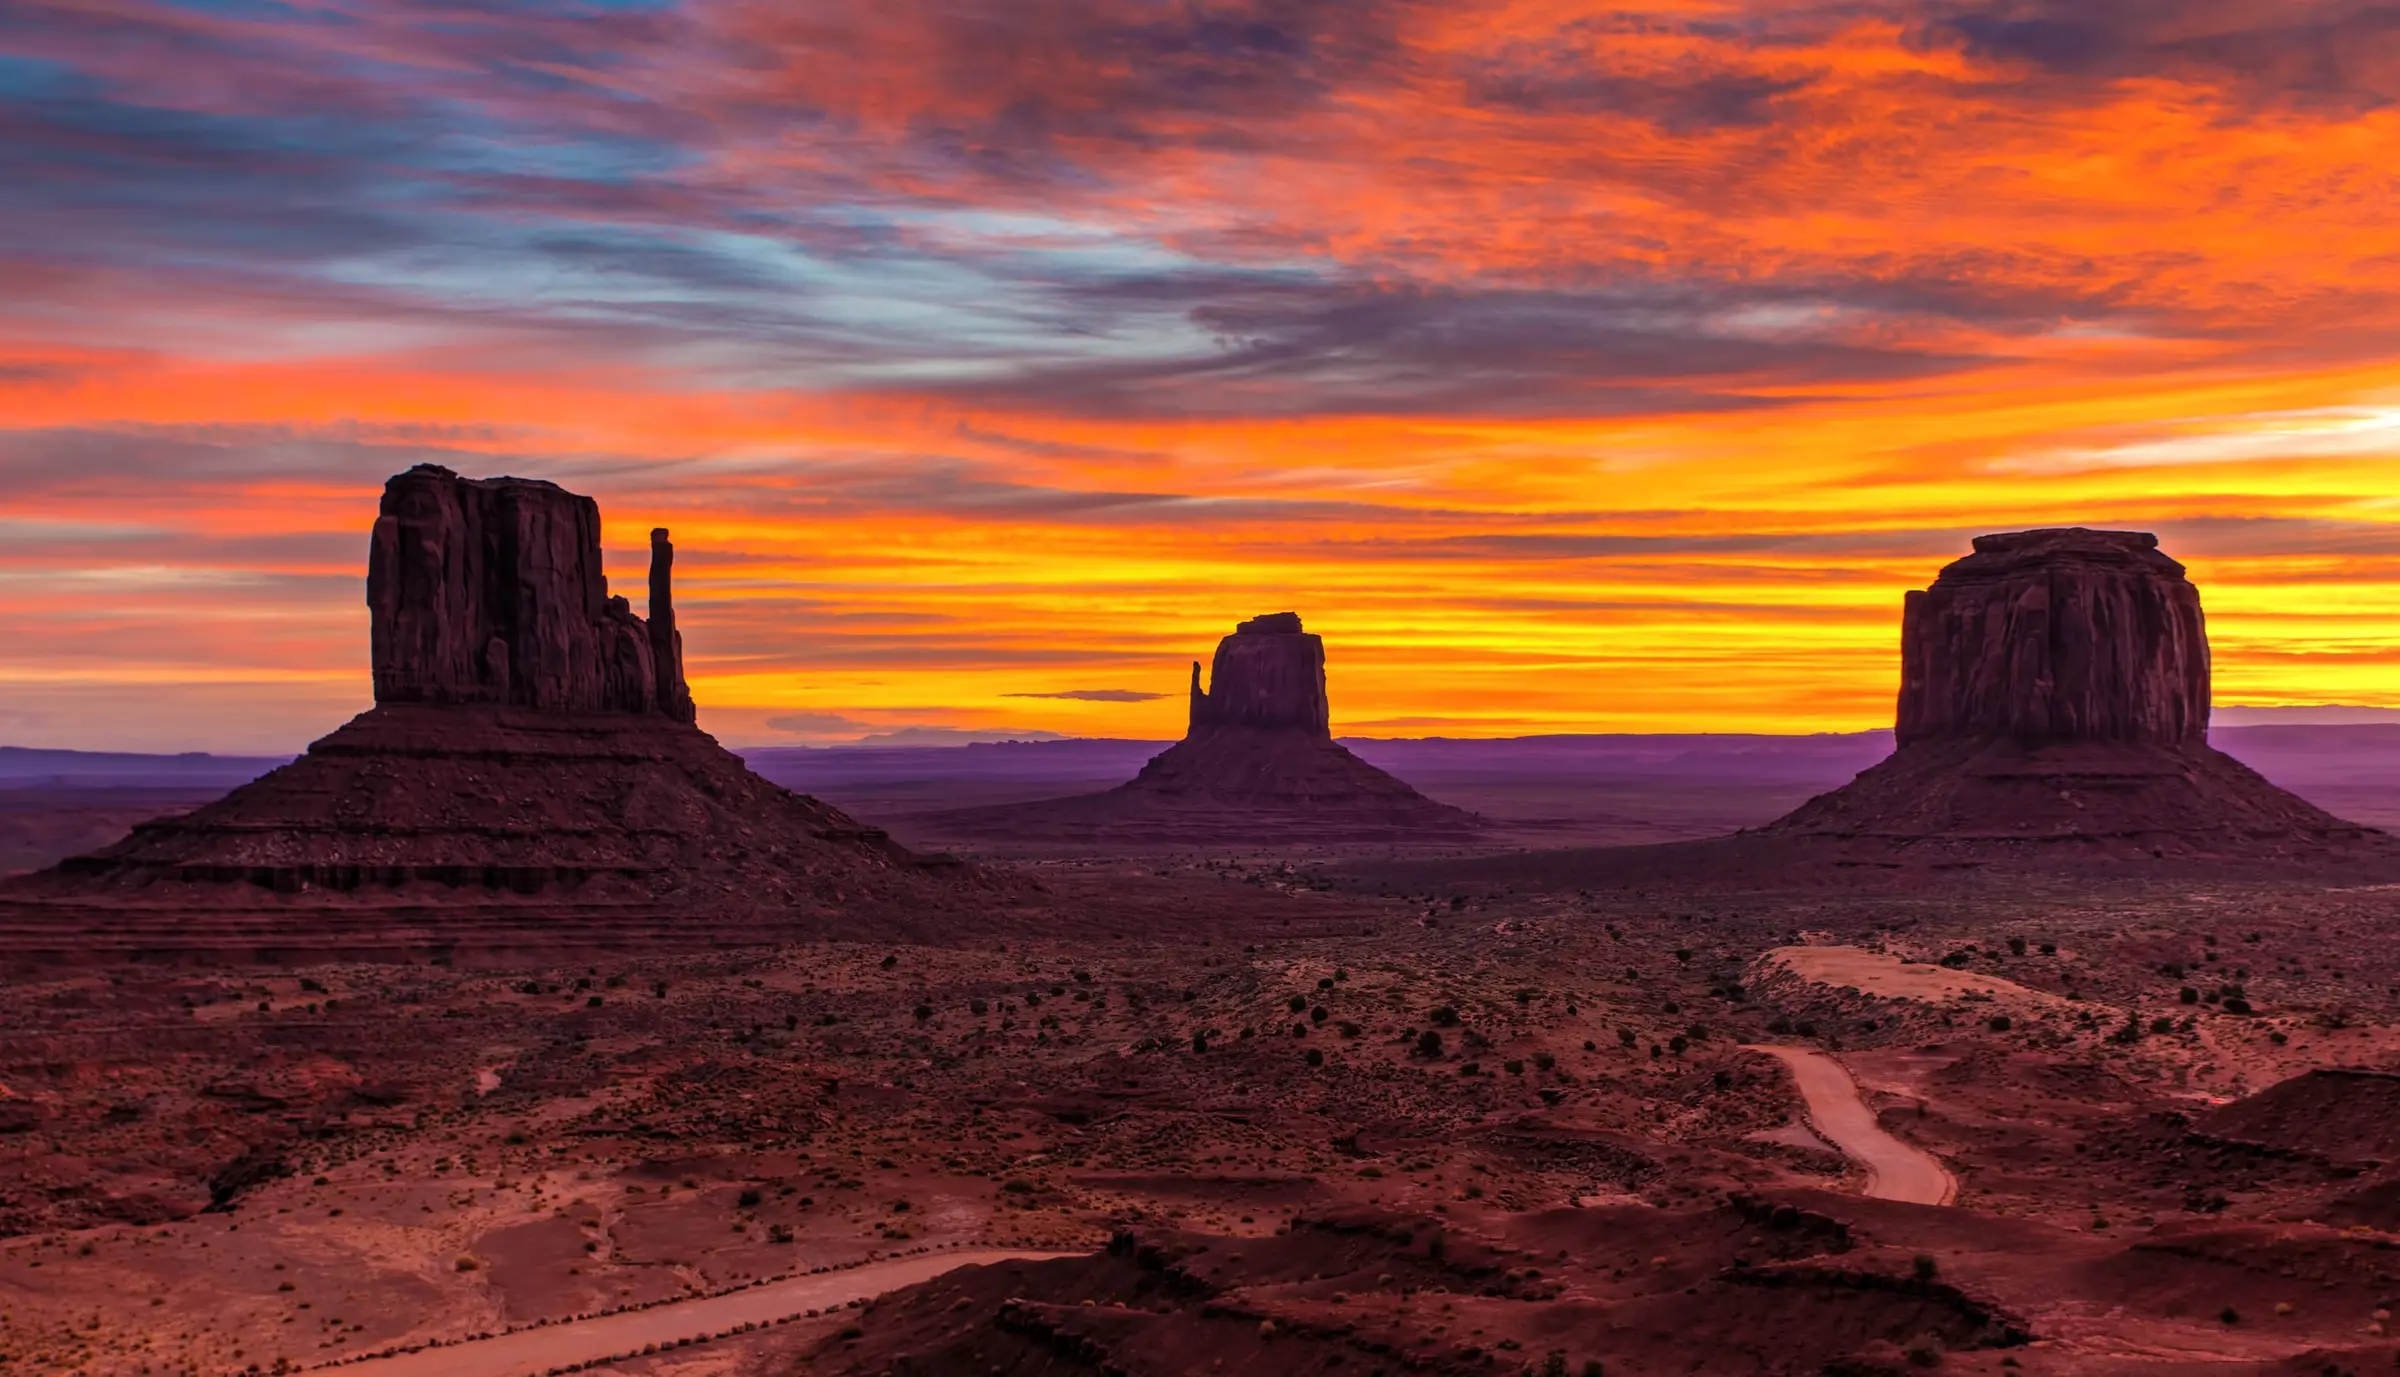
(1570, 367)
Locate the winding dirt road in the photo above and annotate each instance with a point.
(531, 1351)
(1895, 1170)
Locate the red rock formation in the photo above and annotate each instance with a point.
(1259, 762)
(1268, 673)
(2056, 635)
(666, 643)
(531, 737)
(491, 591)
(2054, 702)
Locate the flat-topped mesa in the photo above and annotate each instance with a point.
(1268, 674)
(490, 591)
(2051, 636)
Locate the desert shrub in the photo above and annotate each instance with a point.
(2000, 1023)
(1543, 1061)
(1680, 1044)
(1315, 1057)
(2016, 946)
(1513, 1067)
(1627, 1036)
(924, 1012)
(749, 1198)
(1925, 1267)
(1319, 1014)
(1445, 1017)
(1429, 1043)
(890, 961)
(978, 1007)
(1296, 1003)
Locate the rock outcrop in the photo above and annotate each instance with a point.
(489, 590)
(2056, 635)
(533, 743)
(1268, 674)
(2054, 702)
(1258, 763)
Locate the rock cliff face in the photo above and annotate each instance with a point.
(1268, 674)
(490, 591)
(2056, 636)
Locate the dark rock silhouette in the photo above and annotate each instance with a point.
(1258, 762)
(1268, 674)
(2056, 635)
(2052, 714)
(532, 739)
(2054, 698)
(489, 590)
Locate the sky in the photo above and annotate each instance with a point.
(1571, 367)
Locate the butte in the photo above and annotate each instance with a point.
(1257, 764)
(530, 780)
(2053, 714)
(2054, 702)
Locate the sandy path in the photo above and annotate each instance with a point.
(1895, 1170)
(539, 1350)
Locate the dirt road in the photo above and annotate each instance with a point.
(1895, 1170)
(533, 1351)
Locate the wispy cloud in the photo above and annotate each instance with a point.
(1097, 695)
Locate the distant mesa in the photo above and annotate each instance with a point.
(532, 740)
(2054, 699)
(1257, 762)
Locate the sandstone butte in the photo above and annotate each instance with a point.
(532, 744)
(1258, 761)
(2054, 699)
